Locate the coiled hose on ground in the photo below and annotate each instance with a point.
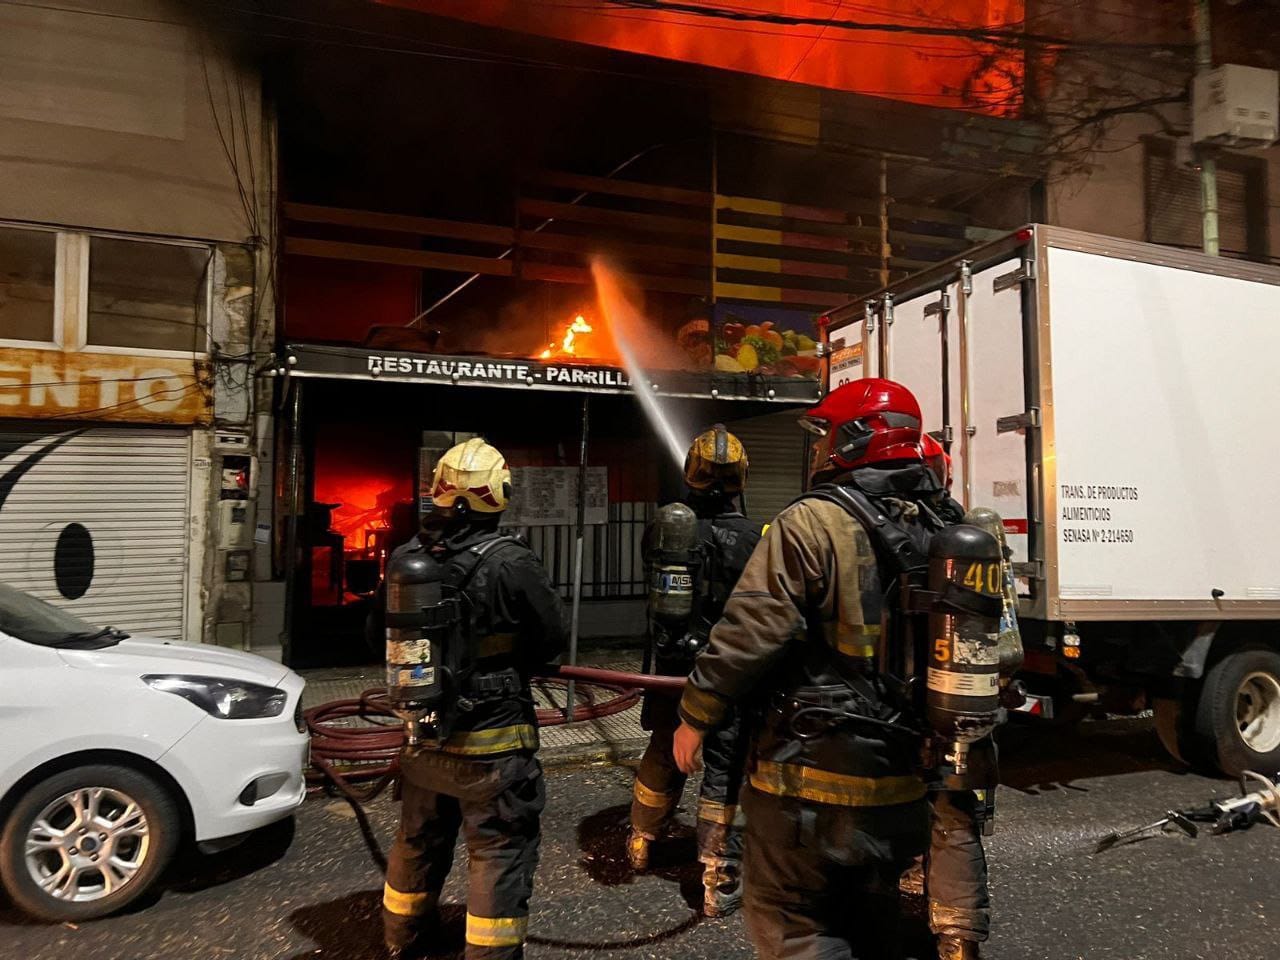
(367, 752)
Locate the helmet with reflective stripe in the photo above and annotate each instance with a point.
(937, 459)
(717, 461)
(476, 474)
(861, 423)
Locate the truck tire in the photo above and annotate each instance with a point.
(87, 841)
(1237, 718)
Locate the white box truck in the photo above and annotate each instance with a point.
(1115, 402)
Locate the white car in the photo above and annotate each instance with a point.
(112, 748)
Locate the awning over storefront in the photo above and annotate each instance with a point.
(520, 373)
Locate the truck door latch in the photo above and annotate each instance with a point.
(1006, 280)
(1019, 421)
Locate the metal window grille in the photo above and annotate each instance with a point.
(612, 565)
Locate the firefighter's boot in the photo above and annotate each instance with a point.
(953, 948)
(638, 850)
(721, 887)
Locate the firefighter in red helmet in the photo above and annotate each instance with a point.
(838, 803)
(939, 462)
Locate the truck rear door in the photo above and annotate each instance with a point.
(955, 337)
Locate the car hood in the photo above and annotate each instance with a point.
(144, 655)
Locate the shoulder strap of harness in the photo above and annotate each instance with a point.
(894, 546)
(898, 556)
(462, 566)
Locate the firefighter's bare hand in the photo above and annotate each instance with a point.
(688, 748)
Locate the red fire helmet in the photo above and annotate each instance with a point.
(937, 458)
(863, 422)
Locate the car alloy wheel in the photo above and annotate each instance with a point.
(87, 844)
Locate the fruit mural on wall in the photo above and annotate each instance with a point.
(765, 349)
(754, 340)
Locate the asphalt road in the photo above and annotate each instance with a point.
(314, 891)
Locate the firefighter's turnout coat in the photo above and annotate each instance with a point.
(484, 779)
(836, 805)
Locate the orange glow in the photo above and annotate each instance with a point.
(939, 71)
(581, 340)
(567, 346)
(365, 494)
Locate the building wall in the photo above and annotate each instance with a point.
(1108, 197)
(1101, 189)
(105, 120)
(122, 117)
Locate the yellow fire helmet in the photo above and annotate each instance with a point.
(474, 473)
(716, 460)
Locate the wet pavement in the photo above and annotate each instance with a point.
(313, 891)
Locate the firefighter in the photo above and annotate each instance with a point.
(938, 461)
(837, 805)
(484, 777)
(715, 473)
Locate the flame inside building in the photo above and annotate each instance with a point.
(581, 339)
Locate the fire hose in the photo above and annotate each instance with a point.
(344, 753)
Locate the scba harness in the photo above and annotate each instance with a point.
(917, 686)
(707, 571)
(436, 638)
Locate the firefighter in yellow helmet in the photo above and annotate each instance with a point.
(695, 551)
(484, 778)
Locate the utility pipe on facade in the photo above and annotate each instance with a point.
(1204, 157)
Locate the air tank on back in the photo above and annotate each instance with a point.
(415, 682)
(1010, 636)
(962, 689)
(672, 554)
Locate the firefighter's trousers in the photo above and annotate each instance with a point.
(822, 880)
(497, 804)
(659, 782)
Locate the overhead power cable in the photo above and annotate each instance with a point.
(994, 36)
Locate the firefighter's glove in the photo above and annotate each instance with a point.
(688, 748)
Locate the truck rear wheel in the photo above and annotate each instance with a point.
(1234, 723)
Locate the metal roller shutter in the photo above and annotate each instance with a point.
(1172, 199)
(776, 451)
(95, 520)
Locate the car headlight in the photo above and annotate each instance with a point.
(227, 699)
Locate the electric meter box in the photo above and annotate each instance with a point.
(1235, 106)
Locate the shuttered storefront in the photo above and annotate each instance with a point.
(776, 450)
(96, 520)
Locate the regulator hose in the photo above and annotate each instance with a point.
(359, 741)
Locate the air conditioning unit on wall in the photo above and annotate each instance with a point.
(1235, 106)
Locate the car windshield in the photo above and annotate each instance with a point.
(35, 621)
